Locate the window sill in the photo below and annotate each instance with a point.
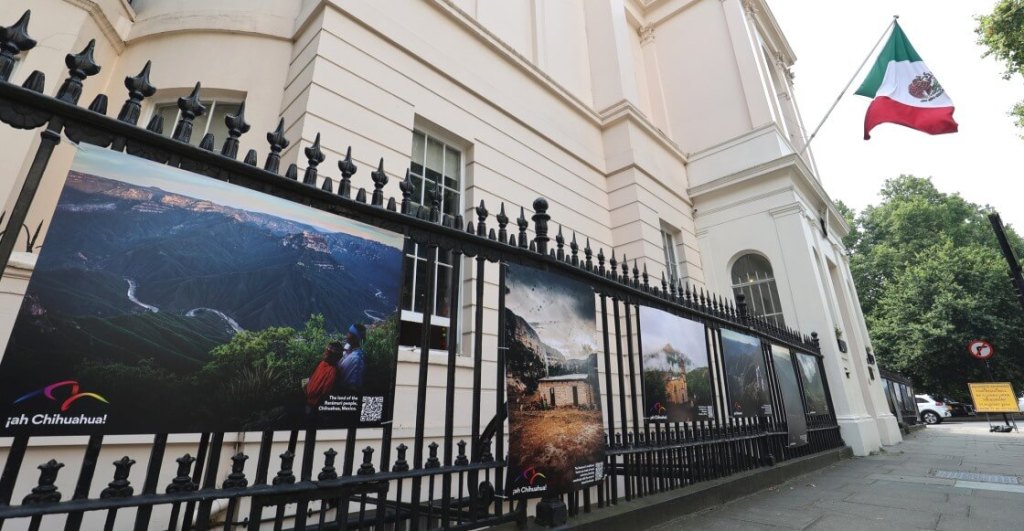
(407, 354)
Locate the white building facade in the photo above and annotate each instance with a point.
(665, 130)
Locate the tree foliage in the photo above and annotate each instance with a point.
(931, 278)
(1002, 32)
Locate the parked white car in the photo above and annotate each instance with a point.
(930, 410)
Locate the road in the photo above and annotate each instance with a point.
(132, 286)
(910, 486)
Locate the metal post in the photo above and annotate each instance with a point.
(1016, 279)
(988, 371)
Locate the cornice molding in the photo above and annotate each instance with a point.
(100, 18)
(625, 110)
(794, 208)
(761, 15)
(646, 33)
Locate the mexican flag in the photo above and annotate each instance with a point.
(905, 91)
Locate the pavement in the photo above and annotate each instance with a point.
(951, 476)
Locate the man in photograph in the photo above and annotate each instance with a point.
(352, 364)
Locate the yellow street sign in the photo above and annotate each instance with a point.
(996, 397)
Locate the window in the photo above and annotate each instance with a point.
(212, 121)
(668, 242)
(434, 164)
(752, 276)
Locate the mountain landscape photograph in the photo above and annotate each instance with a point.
(677, 382)
(554, 406)
(746, 377)
(814, 387)
(176, 296)
(792, 400)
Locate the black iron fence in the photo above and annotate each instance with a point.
(899, 393)
(442, 474)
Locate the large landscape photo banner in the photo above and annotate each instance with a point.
(556, 436)
(677, 382)
(167, 302)
(745, 375)
(792, 401)
(814, 386)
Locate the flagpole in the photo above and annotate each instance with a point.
(848, 83)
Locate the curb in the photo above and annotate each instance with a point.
(662, 507)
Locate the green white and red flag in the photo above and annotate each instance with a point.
(904, 91)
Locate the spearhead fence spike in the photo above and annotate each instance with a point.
(380, 178)
(80, 66)
(237, 126)
(191, 108)
(277, 143)
(139, 88)
(14, 39)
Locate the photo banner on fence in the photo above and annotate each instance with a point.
(745, 375)
(792, 401)
(677, 382)
(167, 302)
(814, 386)
(556, 435)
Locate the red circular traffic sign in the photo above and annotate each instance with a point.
(981, 349)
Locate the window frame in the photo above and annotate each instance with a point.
(448, 142)
(669, 245)
(208, 97)
(747, 288)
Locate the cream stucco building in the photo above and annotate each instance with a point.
(665, 130)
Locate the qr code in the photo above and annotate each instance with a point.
(373, 409)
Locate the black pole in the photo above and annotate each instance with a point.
(988, 371)
(1011, 258)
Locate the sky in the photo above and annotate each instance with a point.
(982, 162)
(659, 328)
(103, 162)
(560, 310)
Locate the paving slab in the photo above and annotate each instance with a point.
(938, 478)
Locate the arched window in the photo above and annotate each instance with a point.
(752, 276)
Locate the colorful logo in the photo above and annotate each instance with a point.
(658, 409)
(72, 397)
(530, 476)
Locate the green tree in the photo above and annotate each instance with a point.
(850, 216)
(931, 277)
(255, 374)
(1002, 32)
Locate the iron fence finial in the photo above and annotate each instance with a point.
(80, 66)
(14, 39)
(139, 88)
(237, 126)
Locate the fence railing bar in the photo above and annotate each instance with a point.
(210, 480)
(500, 406)
(156, 459)
(197, 475)
(478, 353)
(454, 312)
(633, 396)
(619, 353)
(89, 459)
(421, 390)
